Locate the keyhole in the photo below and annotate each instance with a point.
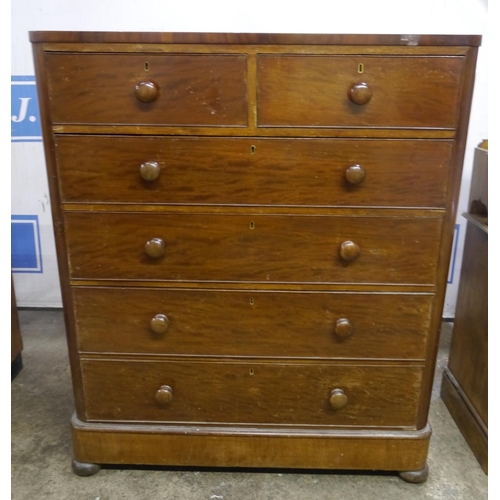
(146, 66)
(252, 149)
(252, 302)
(251, 372)
(252, 225)
(361, 68)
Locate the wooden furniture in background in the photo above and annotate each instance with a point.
(253, 235)
(16, 341)
(465, 380)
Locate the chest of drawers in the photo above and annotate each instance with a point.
(253, 235)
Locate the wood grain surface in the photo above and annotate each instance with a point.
(277, 249)
(230, 447)
(252, 323)
(407, 40)
(465, 381)
(244, 321)
(313, 91)
(253, 171)
(255, 393)
(466, 417)
(469, 346)
(193, 89)
(16, 340)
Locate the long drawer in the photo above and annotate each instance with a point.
(186, 89)
(252, 323)
(253, 171)
(253, 248)
(359, 91)
(251, 393)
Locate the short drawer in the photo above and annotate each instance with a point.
(251, 393)
(183, 89)
(359, 91)
(252, 323)
(223, 171)
(253, 248)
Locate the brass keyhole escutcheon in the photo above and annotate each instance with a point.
(361, 67)
(252, 149)
(251, 372)
(252, 225)
(252, 302)
(146, 66)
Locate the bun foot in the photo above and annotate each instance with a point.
(83, 469)
(415, 476)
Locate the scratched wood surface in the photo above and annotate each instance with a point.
(193, 89)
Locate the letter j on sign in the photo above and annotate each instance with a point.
(25, 117)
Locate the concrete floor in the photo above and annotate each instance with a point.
(42, 405)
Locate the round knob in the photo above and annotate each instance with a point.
(355, 174)
(164, 395)
(360, 93)
(338, 399)
(150, 171)
(159, 324)
(343, 327)
(155, 248)
(146, 91)
(349, 250)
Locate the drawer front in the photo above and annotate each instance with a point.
(252, 248)
(190, 89)
(247, 393)
(252, 323)
(313, 91)
(306, 172)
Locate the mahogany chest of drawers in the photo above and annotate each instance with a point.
(253, 235)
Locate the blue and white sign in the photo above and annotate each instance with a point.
(25, 117)
(26, 253)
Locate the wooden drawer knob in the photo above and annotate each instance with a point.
(164, 395)
(159, 324)
(155, 248)
(355, 174)
(146, 91)
(150, 171)
(343, 328)
(349, 250)
(338, 399)
(360, 93)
